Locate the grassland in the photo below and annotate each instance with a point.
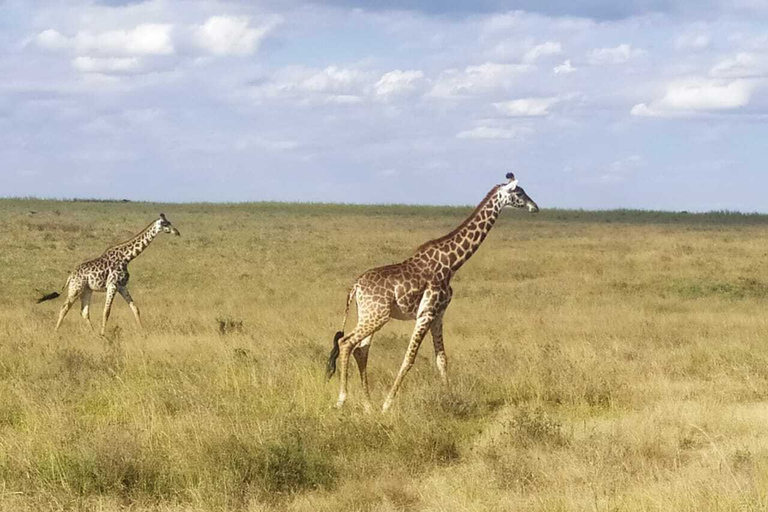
(612, 361)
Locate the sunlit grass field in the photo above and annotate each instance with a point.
(613, 361)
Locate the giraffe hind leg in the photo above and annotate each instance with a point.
(361, 357)
(365, 328)
(85, 305)
(73, 293)
(440, 358)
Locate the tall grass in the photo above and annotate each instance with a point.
(600, 361)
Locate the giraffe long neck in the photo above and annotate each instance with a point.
(127, 251)
(455, 248)
(468, 238)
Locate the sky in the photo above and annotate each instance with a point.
(593, 104)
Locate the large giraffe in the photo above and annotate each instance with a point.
(109, 273)
(419, 288)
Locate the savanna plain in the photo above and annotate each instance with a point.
(609, 361)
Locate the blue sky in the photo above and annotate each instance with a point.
(657, 104)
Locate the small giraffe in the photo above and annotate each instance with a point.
(108, 272)
(418, 288)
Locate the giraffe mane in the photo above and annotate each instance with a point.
(461, 226)
(124, 242)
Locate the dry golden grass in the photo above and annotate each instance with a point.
(600, 362)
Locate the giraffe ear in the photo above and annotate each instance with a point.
(512, 183)
(162, 216)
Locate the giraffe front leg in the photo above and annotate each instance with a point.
(85, 306)
(111, 291)
(127, 296)
(440, 359)
(423, 323)
(361, 356)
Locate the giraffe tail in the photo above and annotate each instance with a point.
(49, 296)
(331, 368)
(53, 295)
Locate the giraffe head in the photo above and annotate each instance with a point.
(166, 225)
(513, 195)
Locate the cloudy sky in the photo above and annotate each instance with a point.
(657, 104)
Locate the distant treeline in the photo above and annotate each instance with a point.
(720, 217)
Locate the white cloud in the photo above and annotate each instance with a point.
(106, 64)
(643, 110)
(692, 41)
(258, 142)
(742, 65)
(564, 69)
(526, 107)
(144, 39)
(690, 96)
(620, 170)
(492, 133)
(707, 95)
(313, 86)
(542, 50)
(476, 79)
(397, 83)
(52, 40)
(103, 155)
(343, 99)
(388, 173)
(332, 79)
(618, 55)
(230, 35)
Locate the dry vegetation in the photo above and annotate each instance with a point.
(601, 362)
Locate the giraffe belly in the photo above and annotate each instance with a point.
(97, 286)
(405, 308)
(97, 282)
(398, 314)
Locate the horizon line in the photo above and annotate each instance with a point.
(418, 205)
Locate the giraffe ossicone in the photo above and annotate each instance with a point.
(108, 273)
(417, 288)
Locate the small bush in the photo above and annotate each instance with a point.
(535, 427)
(274, 469)
(229, 325)
(111, 462)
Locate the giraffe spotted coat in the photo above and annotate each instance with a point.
(109, 273)
(417, 288)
